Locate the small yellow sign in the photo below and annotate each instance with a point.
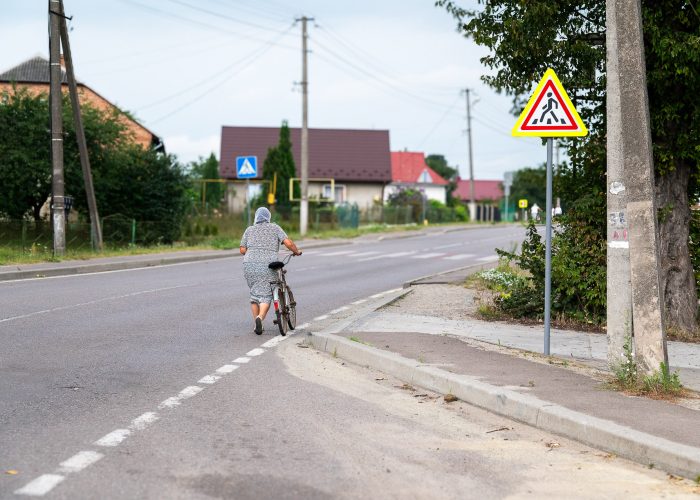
(270, 198)
(522, 203)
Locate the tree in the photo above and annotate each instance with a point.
(526, 37)
(129, 180)
(529, 184)
(208, 168)
(439, 164)
(280, 161)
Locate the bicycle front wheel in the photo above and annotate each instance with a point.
(291, 309)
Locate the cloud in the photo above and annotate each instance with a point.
(189, 149)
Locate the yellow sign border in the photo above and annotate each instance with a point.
(580, 132)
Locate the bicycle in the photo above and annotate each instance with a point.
(283, 298)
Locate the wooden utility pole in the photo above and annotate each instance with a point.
(58, 210)
(80, 135)
(472, 201)
(637, 181)
(304, 207)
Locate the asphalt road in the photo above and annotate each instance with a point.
(100, 376)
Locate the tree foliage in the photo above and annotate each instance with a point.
(128, 179)
(524, 38)
(280, 161)
(529, 184)
(208, 169)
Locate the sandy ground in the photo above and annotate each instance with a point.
(424, 447)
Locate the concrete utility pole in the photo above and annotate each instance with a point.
(80, 135)
(638, 183)
(472, 201)
(58, 210)
(304, 208)
(619, 286)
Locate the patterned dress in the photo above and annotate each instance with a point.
(263, 243)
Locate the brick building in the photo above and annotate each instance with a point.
(33, 75)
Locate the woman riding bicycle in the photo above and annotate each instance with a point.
(260, 245)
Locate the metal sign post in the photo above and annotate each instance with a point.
(247, 168)
(549, 113)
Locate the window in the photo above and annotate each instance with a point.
(338, 196)
(425, 178)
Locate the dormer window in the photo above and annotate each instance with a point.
(425, 177)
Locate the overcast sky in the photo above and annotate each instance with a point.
(187, 67)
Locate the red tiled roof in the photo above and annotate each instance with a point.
(408, 167)
(483, 190)
(345, 155)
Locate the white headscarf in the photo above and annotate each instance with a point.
(262, 214)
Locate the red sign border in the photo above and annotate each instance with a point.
(562, 102)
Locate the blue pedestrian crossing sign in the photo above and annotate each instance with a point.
(246, 167)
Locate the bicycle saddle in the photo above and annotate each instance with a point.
(276, 265)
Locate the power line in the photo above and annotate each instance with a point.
(222, 16)
(252, 57)
(439, 122)
(199, 23)
(259, 11)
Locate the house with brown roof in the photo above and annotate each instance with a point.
(33, 75)
(409, 171)
(485, 191)
(358, 161)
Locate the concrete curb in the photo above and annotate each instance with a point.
(471, 267)
(603, 434)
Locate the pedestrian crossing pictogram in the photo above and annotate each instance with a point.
(549, 112)
(246, 167)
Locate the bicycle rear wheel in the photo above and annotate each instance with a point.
(291, 309)
(280, 312)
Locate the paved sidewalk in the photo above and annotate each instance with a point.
(405, 336)
(99, 264)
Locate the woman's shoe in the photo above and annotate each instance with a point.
(258, 326)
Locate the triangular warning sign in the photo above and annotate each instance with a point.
(246, 168)
(549, 112)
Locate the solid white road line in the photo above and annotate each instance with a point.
(143, 421)
(427, 255)
(226, 369)
(113, 438)
(40, 486)
(358, 302)
(255, 352)
(79, 461)
(321, 318)
(208, 379)
(460, 256)
(242, 360)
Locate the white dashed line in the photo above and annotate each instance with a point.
(255, 352)
(321, 318)
(427, 256)
(242, 360)
(376, 295)
(79, 461)
(363, 254)
(358, 302)
(447, 246)
(460, 256)
(209, 379)
(226, 369)
(340, 309)
(333, 254)
(273, 342)
(171, 402)
(303, 326)
(387, 256)
(41, 485)
(190, 391)
(143, 421)
(113, 438)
